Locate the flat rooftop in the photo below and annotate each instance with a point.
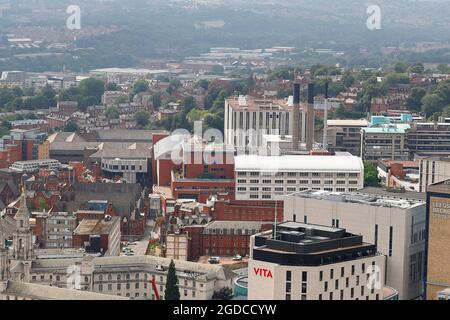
(368, 196)
(248, 103)
(306, 163)
(95, 226)
(306, 244)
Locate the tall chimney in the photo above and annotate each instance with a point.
(310, 118)
(325, 118)
(296, 118)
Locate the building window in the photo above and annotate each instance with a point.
(391, 236)
(288, 287)
(304, 276)
(376, 234)
(288, 275)
(320, 275)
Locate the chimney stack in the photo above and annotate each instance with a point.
(296, 118)
(325, 118)
(310, 118)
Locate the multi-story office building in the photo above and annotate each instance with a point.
(438, 227)
(428, 139)
(395, 222)
(385, 138)
(384, 143)
(433, 170)
(345, 135)
(270, 178)
(244, 114)
(297, 261)
(34, 165)
(58, 229)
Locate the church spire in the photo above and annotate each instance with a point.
(22, 216)
(22, 239)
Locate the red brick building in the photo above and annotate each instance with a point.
(237, 210)
(222, 238)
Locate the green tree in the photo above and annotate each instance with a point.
(443, 68)
(370, 175)
(401, 67)
(446, 111)
(92, 87)
(203, 84)
(156, 100)
(48, 92)
(217, 69)
(142, 118)
(111, 86)
(112, 113)
(416, 68)
(70, 127)
(432, 103)
(172, 291)
(189, 103)
(394, 78)
(414, 101)
(140, 86)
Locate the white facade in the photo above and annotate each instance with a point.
(130, 276)
(347, 281)
(177, 246)
(34, 165)
(396, 224)
(271, 178)
(433, 170)
(248, 119)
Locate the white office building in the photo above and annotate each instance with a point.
(271, 178)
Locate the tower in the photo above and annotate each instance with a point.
(310, 118)
(296, 118)
(4, 261)
(22, 239)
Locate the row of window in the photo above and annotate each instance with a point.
(269, 196)
(300, 174)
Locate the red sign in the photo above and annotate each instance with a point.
(263, 272)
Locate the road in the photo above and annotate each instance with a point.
(140, 248)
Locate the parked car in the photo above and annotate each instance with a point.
(237, 258)
(214, 260)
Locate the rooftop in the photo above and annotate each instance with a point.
(297, 243)
(307, 163)
(348, 123)
(42, 292)
(249, 103)
(368, 196)
(96, 226)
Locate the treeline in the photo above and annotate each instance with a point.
(18, 99)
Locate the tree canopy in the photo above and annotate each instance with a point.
(172, 291)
